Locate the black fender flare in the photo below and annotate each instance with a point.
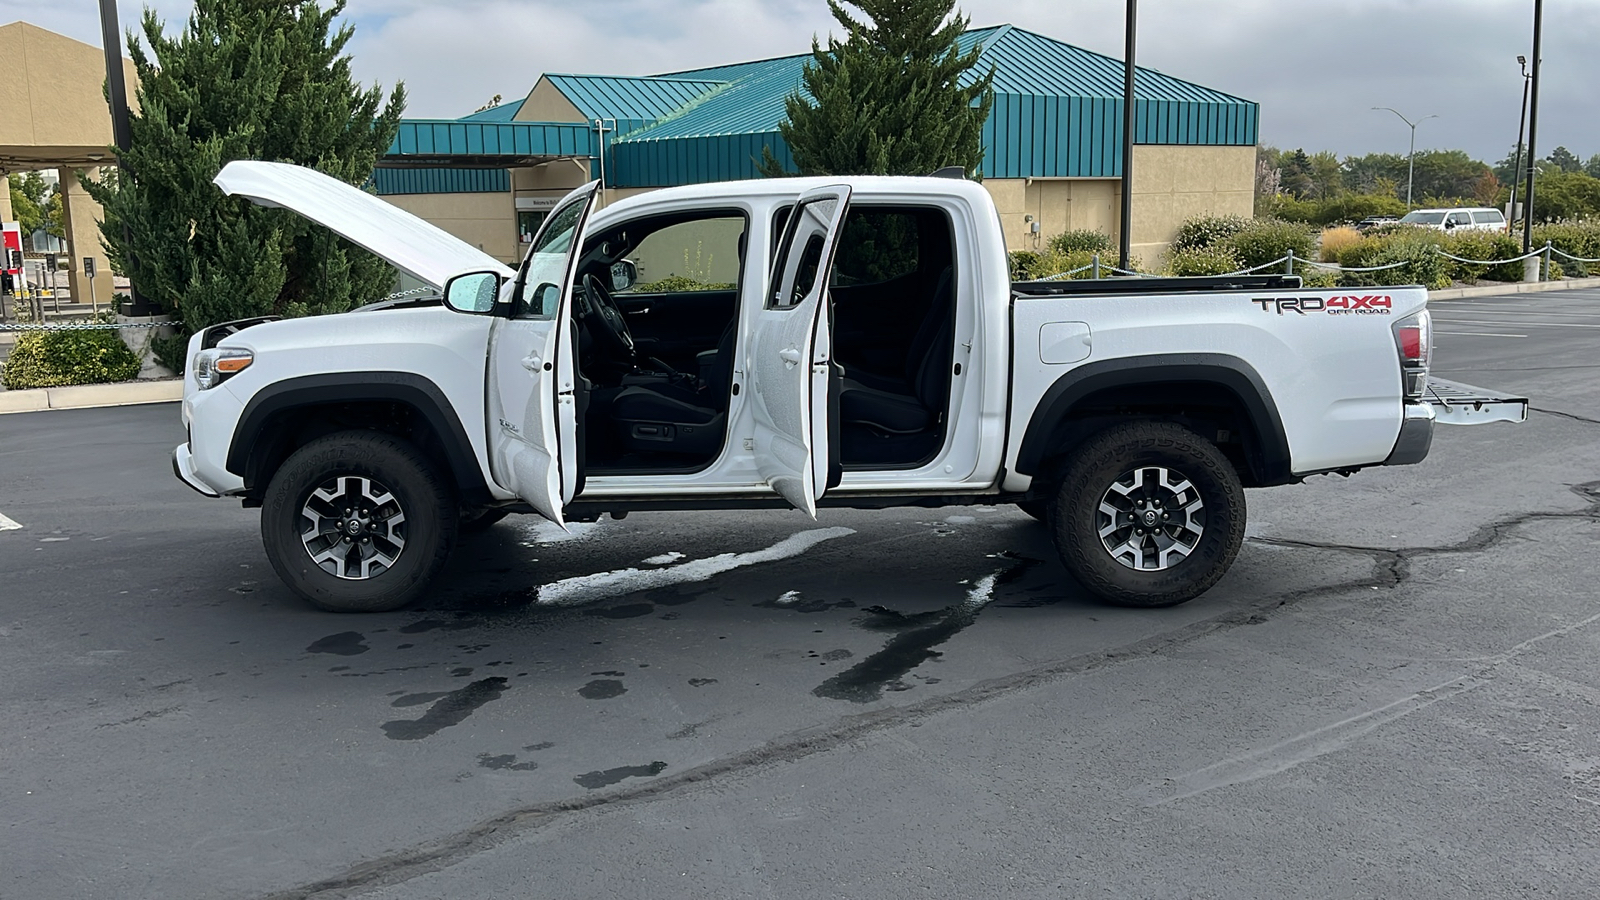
(413, 390)
(1271, 453)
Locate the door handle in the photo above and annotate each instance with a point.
(532, 363)
(790, 355)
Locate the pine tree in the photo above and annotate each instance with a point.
(896, 97)
(247, 79)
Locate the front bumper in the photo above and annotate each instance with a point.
(1416, 436)
(183, 467)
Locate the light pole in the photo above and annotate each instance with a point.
(1125, 231)
(1533, 129)
(1411, 165)
(1522, 123)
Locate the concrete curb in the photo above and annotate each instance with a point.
(89, 396)
(1523, 287)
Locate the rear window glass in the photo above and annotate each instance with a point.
(1424, 217)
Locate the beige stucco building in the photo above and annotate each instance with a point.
(53, 115)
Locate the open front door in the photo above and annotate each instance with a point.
(532, 398)
(789, 363)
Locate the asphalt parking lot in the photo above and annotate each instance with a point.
(1393, 693)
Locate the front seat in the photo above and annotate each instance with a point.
(671, 418)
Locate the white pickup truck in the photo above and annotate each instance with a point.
(846, 342)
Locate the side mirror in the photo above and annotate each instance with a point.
(624, 275)
(473, 292)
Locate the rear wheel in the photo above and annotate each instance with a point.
(358, 521)
(1149, 514)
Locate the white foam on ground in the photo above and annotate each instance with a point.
(981, 593)
(8, 524)
(959, 520)
(544, 531)
(787, 597)
(583, 589)
(664, 558)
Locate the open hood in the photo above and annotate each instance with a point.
(408, 243)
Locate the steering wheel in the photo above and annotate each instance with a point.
(613, 328)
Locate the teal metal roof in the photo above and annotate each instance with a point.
(505, 112)
(440, 181)
(632, 102)
(1057, 113)
(508, 142)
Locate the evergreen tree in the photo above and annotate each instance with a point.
(896, 97)
(1592, 167)
(26, 193)
(1565, 160)
(247, 79)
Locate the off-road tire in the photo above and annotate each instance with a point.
(1116, 453)
(430, 514)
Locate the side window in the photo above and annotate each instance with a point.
(1458, 219)
(795, 277)
(697, 255)
(546, 265)
(876, 246)
(1488, 217)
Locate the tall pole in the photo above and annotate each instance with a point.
(1533, 129)
(1126, 230)
(1516, 165)
(1411, 165)
(121, 132)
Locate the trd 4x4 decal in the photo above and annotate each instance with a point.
(1348, 304)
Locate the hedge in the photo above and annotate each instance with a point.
(59, 358)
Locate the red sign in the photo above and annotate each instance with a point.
(13, 241)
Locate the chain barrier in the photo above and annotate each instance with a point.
(83, 326)
(1493, 262)
(1579, 259)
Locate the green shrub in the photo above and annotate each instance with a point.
(1581, 239)
(673, 284)
(170, 351)
(1484, 245)
(1195, 261)
(1415, 248)
(59, 358)
(1082, 239)
(1263, 240)
(1023, 263)
(1203, 231)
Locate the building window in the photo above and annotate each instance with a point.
(528, 223)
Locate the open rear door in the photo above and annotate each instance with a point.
(532, 399)
(789, 364)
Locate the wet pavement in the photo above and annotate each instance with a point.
(1392, 693)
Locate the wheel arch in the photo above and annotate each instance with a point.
(1195, 387)
(284, 416)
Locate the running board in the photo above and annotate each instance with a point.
(1462, 404)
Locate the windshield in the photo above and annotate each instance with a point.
(1424, 217)
(546, 265)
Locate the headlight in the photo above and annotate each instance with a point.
(213, 367)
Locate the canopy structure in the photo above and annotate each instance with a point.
(54, 115)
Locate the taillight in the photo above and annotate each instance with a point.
(1413, 337)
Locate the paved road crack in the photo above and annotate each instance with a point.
(1566, 415)
(1390, 568)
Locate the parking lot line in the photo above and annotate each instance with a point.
(8, 524)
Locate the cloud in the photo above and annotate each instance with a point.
(1316, 69)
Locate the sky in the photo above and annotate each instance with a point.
(1317, 69)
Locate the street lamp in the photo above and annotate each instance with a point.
(1411, 165)
(1522, 123)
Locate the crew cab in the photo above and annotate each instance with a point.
(807, 343)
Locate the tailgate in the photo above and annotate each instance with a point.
(1462, 404)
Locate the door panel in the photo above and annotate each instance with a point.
(532, 405)
(674, 326)
(788, 364)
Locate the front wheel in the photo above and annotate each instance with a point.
(1149, 514)
(358, 521)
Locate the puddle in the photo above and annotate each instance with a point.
(418, 699)
(626, 611)
(505, 763)
(602, 689)
(435, 625)
(451, 709)
(918, 636)
(596, 780)
(345, 643)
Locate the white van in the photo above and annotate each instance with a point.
(1470, 218)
